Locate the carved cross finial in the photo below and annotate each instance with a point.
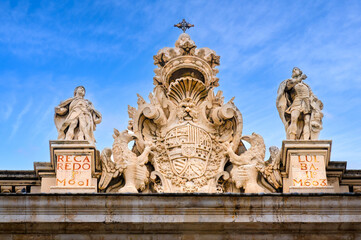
(183, 25)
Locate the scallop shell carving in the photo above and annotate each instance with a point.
(187, 88)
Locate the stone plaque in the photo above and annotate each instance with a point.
(74, 166)
(304, 166)
(308, 170)
(73, 171)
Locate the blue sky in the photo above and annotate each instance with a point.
(47, 48)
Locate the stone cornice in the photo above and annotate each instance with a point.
(224, 215)
(179, 207)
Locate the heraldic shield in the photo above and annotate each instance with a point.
(188, 148)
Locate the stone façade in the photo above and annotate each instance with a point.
(188, 176)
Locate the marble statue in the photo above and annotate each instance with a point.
(180, 134)
(299, 108)
(76, 118)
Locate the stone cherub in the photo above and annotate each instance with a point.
(250, 166)
(126, 162)
(299, 108)
(76, 118)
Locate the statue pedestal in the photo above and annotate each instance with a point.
(74, 166)
(304, 166)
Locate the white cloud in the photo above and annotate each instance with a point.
(19, 118)
(7, 107)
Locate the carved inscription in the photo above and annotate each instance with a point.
(73, 171)
(308, 171)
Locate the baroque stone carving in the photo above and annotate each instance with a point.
(181, 133)
(76, 118)
(299, 108)
(271, 169)
(248, 166)
(125, 162)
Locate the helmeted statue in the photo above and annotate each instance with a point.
(299, 108)
(76, 118)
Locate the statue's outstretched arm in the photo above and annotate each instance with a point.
(63, 107)
(61, 110)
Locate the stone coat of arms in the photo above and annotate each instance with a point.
(188, 148)
(187, 139)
